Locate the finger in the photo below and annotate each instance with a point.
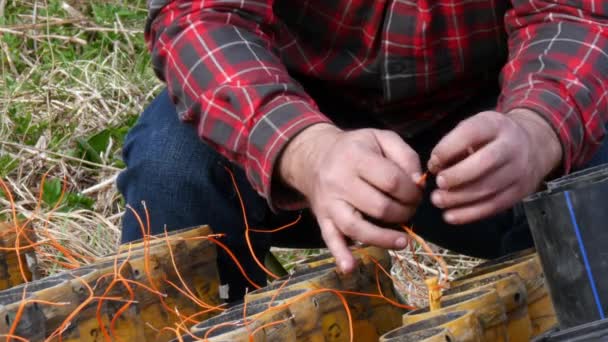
(374, 203)
(470, 133)
(483, 209)
(351, 223)
(337, 245)
(399, 152)
(480, 189)
(389, 178)
(477, 165)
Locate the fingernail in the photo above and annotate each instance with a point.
(345, 266)
(437, 199)
(449, 217)
(441, 182)
(401, 243)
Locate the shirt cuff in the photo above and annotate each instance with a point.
(557, 110)
(287, 117)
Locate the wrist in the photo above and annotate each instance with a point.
(546, 146)
(303, 154)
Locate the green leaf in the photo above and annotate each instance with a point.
(76, 201)
(7, 164)
(86, 151)
(91, 148)
(100, 141)
(51, 191)
(71, 201)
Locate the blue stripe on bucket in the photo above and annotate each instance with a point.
(584, 254)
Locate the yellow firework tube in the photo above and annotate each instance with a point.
(10, 271)
(372, 316)
(434, 293)
(512, 292)
(322, 277)
(49, 290)
(529, 269)
(318, 315)
(375, 315)
(427, 335)
(464, 326)
(492, 263)
(186, 234)
(163, 264)
(362, 254)
(259, 323)
(195, 259)
(486, 304)
(32, 323)
(94, 321)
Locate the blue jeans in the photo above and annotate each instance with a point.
(184, 183)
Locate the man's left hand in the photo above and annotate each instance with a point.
(491, 161)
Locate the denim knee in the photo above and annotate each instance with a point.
(171, 170)
(183, 181)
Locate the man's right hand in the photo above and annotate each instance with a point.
(344, 175)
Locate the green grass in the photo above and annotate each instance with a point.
(74, 76)
(45, 81)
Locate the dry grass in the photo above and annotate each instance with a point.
(75, 75)
(411, 268)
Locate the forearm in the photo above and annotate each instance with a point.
(222, 72)
(558, 68)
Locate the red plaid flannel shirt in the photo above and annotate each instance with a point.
(226, 65)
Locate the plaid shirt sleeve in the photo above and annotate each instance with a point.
(223, 73)
(558, 67)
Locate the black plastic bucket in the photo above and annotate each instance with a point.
(590, 332)
(569, 224)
